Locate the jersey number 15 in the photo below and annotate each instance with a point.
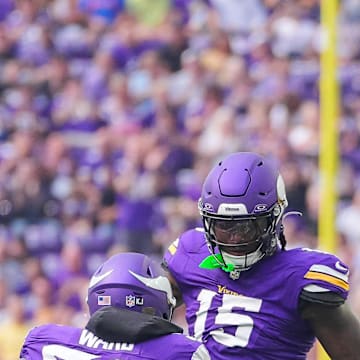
(226, 317)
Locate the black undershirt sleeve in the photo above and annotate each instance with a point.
(327, 298)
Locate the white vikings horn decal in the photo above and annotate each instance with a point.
(159, 283)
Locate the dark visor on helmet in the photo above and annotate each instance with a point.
(240, 232)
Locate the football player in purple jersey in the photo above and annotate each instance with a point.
(130, 302)
(246, 296)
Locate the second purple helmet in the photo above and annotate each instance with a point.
(131, 281)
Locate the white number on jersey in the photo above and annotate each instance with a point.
(57, 352)
(226, 317)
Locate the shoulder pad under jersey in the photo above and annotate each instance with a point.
(190, 241)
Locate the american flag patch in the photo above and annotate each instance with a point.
(104, 300)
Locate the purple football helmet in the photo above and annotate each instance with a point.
(242, 202)
(131, 281)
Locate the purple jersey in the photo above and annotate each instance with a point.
(56, 342)
(255, 316)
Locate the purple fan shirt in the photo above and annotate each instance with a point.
(58, 342)
(255, 316)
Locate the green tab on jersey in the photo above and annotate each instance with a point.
(216, 262)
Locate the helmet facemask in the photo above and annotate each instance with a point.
(242, 241)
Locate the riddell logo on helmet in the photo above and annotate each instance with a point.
(231, 208)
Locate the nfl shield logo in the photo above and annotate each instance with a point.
(235, 274)
(130, 301)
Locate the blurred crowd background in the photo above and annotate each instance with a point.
(113, 111)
